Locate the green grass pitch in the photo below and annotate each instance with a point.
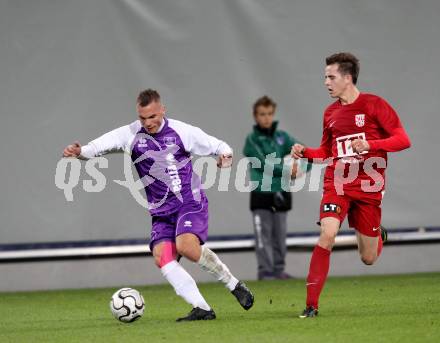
(402, 308)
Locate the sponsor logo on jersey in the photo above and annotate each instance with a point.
(343, 144)
(333, 208)
(142, 143)
(173, 172)
(359, 120)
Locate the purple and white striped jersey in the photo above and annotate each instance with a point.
(162, 160)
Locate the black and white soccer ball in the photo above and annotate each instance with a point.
(127, 305)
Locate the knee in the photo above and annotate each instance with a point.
(190, 251)
(327, 240)
(368, 259)
(329, 230)
(188, 245)
(182, 249)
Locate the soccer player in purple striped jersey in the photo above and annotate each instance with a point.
(160, 149)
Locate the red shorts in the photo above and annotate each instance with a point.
(363, 209)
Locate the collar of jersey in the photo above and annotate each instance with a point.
(267, 132)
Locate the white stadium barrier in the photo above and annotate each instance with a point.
(79, 250)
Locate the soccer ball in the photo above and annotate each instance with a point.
(127, 305)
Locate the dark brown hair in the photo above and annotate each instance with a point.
(347, 64)
(264, 101)
(147, 96)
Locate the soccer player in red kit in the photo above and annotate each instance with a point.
(359, 130)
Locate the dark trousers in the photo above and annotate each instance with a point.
(270, 241)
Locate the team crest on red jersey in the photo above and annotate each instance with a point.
(359, 120)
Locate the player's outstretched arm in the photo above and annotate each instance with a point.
(324, 151)
(113, 141)
(300, 151)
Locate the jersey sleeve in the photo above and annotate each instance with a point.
(116, 140)
(389, 121)
(198, 142)
(386, 116)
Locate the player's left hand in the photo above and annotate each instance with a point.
(224, 161)
(360, 145)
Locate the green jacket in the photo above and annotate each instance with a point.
(261, 142)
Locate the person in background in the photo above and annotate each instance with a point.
(269, 206)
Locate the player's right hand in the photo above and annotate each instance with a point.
(297, 151)
(72, 150)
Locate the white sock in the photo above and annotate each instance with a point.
(184, 285)
(210, 262)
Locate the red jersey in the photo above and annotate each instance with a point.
(369, 118)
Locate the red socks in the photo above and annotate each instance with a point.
(319, 266)
(318, 270)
